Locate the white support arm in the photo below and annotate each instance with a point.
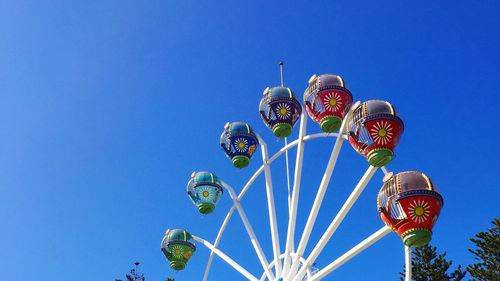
(358, 189)
(273, 223)
(251, 233)
(292, 216)
(408, 265)
(320, 194)
(217, 241)
(227, 259)
(352, 253)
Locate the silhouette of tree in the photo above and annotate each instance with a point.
(428, 265)
(487, 254)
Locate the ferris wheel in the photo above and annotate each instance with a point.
(408, 202)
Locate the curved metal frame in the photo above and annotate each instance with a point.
(292, 260)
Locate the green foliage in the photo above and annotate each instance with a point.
(487, 254)
(428, 265)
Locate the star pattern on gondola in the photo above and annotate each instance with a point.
(206, 192)
(332, 101)
(382, 132)
(283, 111)
(419, 211)
(177, 251)
(241, 144)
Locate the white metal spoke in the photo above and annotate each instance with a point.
(320, 194)
(358, 189)
(251, 233)
(228, 217)
(273, 224)
(287, 175)
(351, 253)
(250, 182)
(217, 241)
(227, 259)
(292, 217)
(408, 265)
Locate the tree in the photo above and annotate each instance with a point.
(428, 265)
(134, 274)
(487, 254)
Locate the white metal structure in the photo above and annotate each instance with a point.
(292, 265)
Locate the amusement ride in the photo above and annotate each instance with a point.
(408, 202)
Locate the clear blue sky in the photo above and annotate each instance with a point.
(106, 107)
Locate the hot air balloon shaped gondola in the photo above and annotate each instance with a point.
(204, 189)
(409, 203)
(279, 110)
(178, 246)
(239, 143)
(375, 130)
(327, 101)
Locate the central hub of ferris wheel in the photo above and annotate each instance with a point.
(408, 202)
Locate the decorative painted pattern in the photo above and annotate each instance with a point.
(241, 144)
(283, 111)
(206, 193)
(382, 132)
(251, 149)
(332, 102)
(188, 254)
(177, 251)
(419, 211)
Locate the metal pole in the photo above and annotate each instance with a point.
(358, 189)
(281, 74)
(320, 194)
(282, 82)
(408, 265)
(251, 233)
(273, 223)
(227, 259)
(295, 195)
(351, 253)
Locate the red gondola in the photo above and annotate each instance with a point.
(327, 101)
(409, 203)
(375, 130)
